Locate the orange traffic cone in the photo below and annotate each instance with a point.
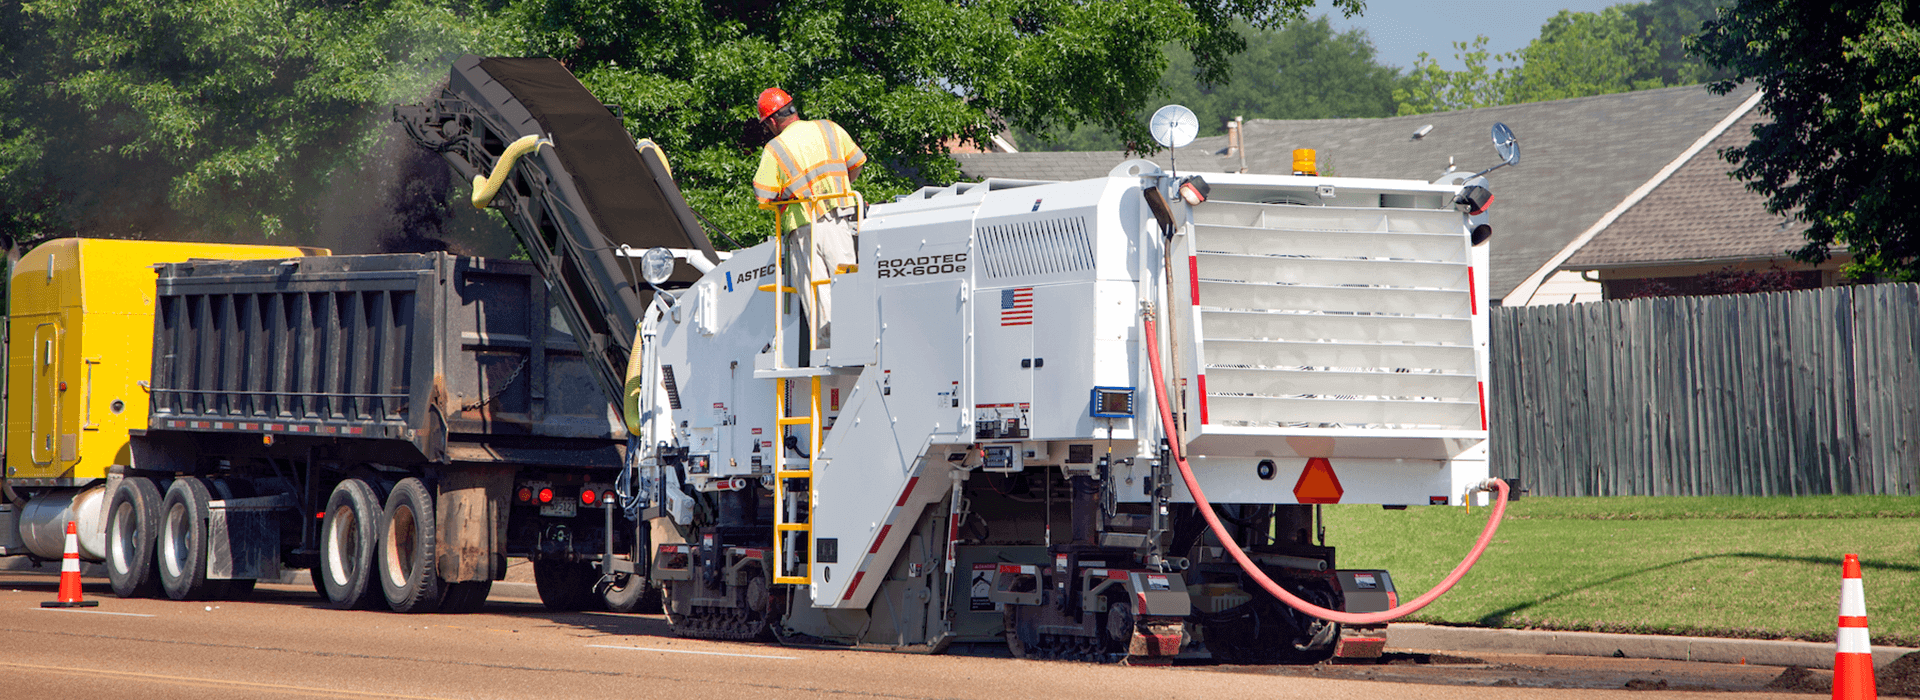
(70, 575)
(1853, 661)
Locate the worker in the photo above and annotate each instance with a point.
(809, 158)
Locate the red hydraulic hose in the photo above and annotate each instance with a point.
(1293, 601)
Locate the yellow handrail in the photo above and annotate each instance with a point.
(778, 207)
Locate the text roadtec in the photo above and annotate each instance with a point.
(925, 265)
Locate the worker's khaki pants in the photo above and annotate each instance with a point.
(814, 252)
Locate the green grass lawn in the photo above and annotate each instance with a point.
(1741, 567)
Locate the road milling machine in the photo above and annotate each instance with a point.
(1092, 420)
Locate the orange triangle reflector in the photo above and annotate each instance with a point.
(1317, 483)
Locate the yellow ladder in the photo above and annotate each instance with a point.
(793, 521)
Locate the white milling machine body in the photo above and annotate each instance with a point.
(990, 464)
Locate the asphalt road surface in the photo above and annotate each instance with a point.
(285, 644)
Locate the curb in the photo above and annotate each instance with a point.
(1414, 636)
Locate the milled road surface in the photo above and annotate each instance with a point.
(285, 644)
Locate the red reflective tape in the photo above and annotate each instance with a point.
(1483, 405)
(1203, 400)
(1193, 278)
(905, 492)
(1853, 621)
(1473, 293)
(877, 541)
(853, 585)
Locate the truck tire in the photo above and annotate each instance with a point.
(182, 541)
(409, 565)
(564, 586)
(349, 539)
(132, 534)
(629, 593)
(632, 593)
(465, 596)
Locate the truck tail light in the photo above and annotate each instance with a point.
(546, 495)
(587, 497)
(526, 495)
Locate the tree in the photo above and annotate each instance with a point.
(235, 118)
(1586, 53)
(905, 77)
(1632, 46)
(1670, 22)
(1430, 88)
(223, 119)
(1305, 70)
(1840, 149)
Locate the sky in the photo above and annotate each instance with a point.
(1401, 29)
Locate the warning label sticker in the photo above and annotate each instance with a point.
(980, 590)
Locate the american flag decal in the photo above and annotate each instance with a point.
(1016, 307)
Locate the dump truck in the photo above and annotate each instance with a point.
(213, 415)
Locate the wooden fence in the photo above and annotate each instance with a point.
(1789, 393)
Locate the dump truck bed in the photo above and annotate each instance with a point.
(454, 358)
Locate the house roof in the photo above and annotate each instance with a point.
(1697, 215)
(1580, 159)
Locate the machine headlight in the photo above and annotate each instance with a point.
(656, 266)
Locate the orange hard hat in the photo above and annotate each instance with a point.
(772, 100)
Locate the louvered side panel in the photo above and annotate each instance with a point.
(1323, 317)
(1030, 248)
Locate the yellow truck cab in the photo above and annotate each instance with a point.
(80, 351)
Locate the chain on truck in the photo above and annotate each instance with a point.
(1087, 420)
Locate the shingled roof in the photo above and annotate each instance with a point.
(1581, 159)
(1697, 215)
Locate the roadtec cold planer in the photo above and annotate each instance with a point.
(980, 456)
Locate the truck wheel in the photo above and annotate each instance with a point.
(349, 537)
(409, 568)
(465, 596)
(564, 586)
(629, 593)
(182, 541)
(131, 538)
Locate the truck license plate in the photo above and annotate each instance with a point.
(561, 507)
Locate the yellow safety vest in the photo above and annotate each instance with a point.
(807, 159)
